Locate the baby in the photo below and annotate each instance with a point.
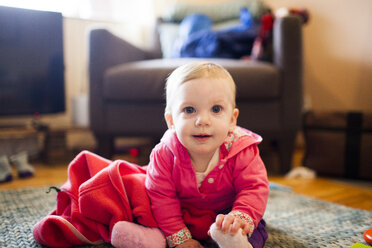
(205, 182)
(205, 162)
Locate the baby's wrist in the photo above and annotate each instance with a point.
(246, 218)
(179, 237)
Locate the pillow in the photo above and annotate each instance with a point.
(169, 33)
(217, 12)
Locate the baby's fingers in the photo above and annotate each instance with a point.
(227, 223)
(219, 220)
(237, 224)
(246, 229)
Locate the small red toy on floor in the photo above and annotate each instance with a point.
(368, 236)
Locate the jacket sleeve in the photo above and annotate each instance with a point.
(252, 186)
(165, 205)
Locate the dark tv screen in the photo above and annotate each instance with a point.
(31, 62)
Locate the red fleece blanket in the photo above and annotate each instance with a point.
(98, 194)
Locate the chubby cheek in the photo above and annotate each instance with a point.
(181, 128)
(223, 133)
(182, 137)
(225, 125)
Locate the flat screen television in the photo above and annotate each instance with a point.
(31, 62)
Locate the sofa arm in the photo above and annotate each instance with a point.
(288, 57)
(106, 50)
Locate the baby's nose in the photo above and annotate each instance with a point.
(203, 119)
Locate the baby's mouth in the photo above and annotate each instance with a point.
(202, 137)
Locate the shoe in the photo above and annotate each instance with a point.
(5, 170)
(23, 167)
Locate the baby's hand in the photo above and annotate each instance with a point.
(229, 222)
(191, 243)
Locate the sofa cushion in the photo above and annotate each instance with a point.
(145, 80)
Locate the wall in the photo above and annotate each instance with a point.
(338, 54)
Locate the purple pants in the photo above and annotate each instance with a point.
(259, 235)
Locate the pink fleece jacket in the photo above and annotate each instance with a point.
(237, 184)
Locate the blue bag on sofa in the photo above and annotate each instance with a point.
(197, 39)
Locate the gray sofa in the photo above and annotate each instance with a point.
(127, 89)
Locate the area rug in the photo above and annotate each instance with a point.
(293, 220)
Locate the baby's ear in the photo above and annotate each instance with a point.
(169, 120)
(234, 119)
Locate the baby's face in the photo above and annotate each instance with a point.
(202, 114)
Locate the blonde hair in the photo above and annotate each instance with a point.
(194, 70)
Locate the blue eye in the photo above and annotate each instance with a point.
(216, 109)
(189, 110)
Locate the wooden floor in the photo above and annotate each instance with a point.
(356, 194)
